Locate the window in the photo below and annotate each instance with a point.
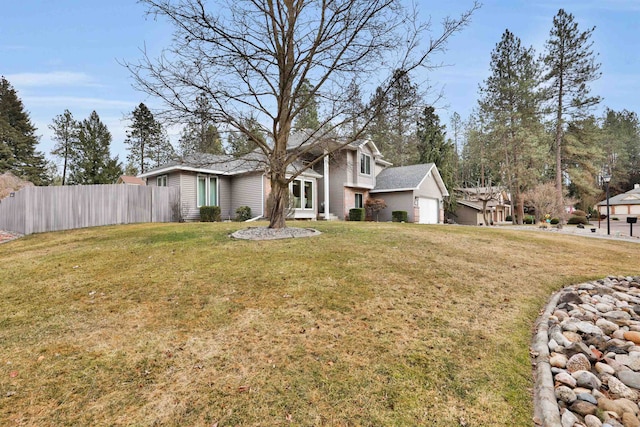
(359, 201)
(302, 191)
(161, 181)
(207, 190)
(365, 164)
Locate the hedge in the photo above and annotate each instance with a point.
(399, 216)
(209, 213)
(357, 214)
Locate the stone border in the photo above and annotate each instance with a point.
(545, 404)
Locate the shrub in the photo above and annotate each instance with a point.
(615, 218)
(529, 219)
(509, 218)
(555, 221)
(209, 213)
(356, 214)
(399, 216)
(578, 220)
(579, 212)
(243, 213)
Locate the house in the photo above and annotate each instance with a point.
(623, 205)
(130, 180)
(325, 188)
(469, 209)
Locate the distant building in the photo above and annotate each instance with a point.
(130, 180)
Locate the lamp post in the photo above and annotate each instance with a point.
(607, 178)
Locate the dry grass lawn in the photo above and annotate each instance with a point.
(365, 325)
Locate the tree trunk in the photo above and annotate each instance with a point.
(559, 199)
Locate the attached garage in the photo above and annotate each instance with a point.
(416, 189)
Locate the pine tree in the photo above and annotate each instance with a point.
(201, 135)
(354, 111)
(147, 141)
(621, 140)
(433, 148)
(238, 142)
(65, 133)
(306, 108)
(403, 104)
(570, 67)
(510, 110)
(91, 162)
(18, 140)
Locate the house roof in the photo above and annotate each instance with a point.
(130, 180)
(405, 178)
(631, 197)
(224, 165)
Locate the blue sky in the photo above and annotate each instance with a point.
(64, 54)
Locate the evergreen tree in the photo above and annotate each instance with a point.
(621, 140)
(570, 67)
(433, 148)
(65, 133)
(403, 109)
(240, 144)
(583, 154)
(91, 162)
(200, 135)
(306, 108)
(510, 109)
(148, 144)
(18, 140)
(354, 122)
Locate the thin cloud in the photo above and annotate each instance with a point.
(76, 102)
(52, 79)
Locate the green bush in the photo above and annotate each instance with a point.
(243, 213)
(555, 221)
(529, 219)
(399, 216)
(575, 219)
(357, 214)
(509, 218)
(209, 213)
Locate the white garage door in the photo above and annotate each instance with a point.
(428, 211)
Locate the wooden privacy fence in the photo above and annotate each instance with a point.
(41, 209)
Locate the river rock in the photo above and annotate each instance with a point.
(565, 394)
(618, 389)
(558, 360)
(587, 379)
(607, 327)
(632, 336)
(583, 408)
(588, 328)
(630, 378)
(587, 397)
(630, 420)
(603, 368)
(566, 379)
(568, 419)
(592, 421)
(578, 362)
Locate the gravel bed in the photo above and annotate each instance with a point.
(266, 233)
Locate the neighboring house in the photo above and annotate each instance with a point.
(327, 189)
(623, 205)
(130, 180)
(469, 203)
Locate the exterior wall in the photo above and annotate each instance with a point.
(362, 180)
(349, 198)
(429, 188)
(225, 197)
(468, 216)
(246, 190)
(338, 177)
(396, 201)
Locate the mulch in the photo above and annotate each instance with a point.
(7, 236)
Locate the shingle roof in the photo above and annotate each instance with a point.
(631, 197)
(402, 177)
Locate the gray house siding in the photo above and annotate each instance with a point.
(396, 201)
(225, 186)
(338, 178)
(364, 180)
(247, 190)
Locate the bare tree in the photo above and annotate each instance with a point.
(271, 58)
(544, 200)
(485, 195)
